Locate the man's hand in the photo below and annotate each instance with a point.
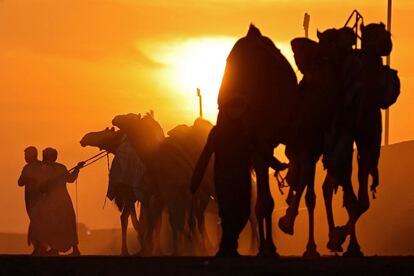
(80, 165)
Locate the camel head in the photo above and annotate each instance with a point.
(376, 39)
(305, 53)
(126, 121)
(179, 131)
(203, 125)
(256, 74)
(108, 139)
(334, 43)
(144, 132)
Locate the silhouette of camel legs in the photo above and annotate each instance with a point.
(150, 226)
(177, 223)
(337, 235)
(310, 198)
(355, 206)
(362, 204)
(234, 210)
(255, 234)
(201, 225)
(128, 211)
(286, 223)
(264, 210)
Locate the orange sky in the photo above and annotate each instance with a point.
(67, 67)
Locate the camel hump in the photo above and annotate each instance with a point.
(253, 31)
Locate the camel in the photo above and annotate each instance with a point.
(380, 89)
(319, 95)
(177, 156)
(122, 188)
(174, 159)
(169, 164)
(257, 87)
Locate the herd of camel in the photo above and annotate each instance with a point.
(336, 104)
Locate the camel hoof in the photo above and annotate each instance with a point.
(268, 252)
(227, 253)
(286, 224)
(334, 247)
(124, 253)
(354, 252)
(311, 252)
(52, 252)
(75, 253)
(337, 238)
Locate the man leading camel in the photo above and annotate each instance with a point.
(61, 228)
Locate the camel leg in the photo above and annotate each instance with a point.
(174, 228)
(260, 222)
(354, 249)
(143, 227)
(135, 222)
(351, 206)
(124, 229)
(287, 222)
(155, 218)
(177, 221)
(201, 225)
(264, 210)
(298, 171)
(336, 234)
(149, 214)
(177, 225)
(134, 219)
(328, 191)
(255, 234)
(310, 198)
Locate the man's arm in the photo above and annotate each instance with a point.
(23, 178)
(72, 176)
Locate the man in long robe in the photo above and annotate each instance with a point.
(61, 228)
(30, 179)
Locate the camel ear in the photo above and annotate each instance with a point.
(112, 128)
(318, 34)
(106, 128)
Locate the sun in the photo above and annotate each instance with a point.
(201, 64)
(190, 64)
(197, 63)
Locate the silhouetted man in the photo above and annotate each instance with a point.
(33, 198)
(62, 233)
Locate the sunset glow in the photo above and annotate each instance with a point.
(196, 63)
(191, 64)
(68, 67)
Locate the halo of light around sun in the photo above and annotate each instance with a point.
(195, 63)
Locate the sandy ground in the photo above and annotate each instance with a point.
(105, 265)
